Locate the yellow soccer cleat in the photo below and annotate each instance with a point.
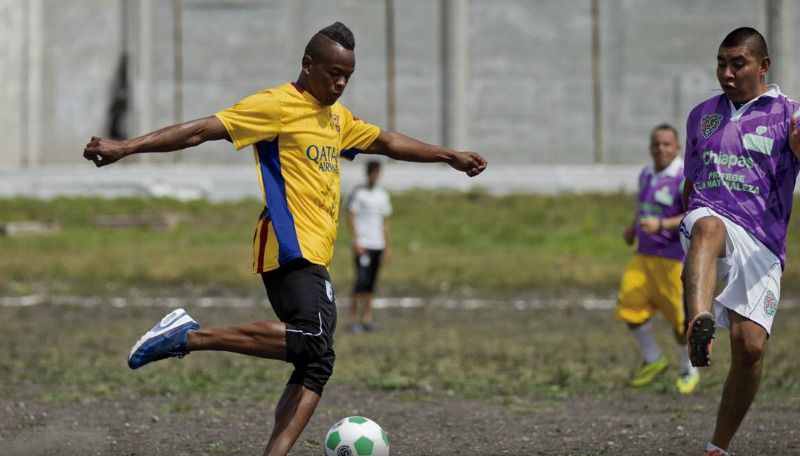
(686, 383)
(649, 372)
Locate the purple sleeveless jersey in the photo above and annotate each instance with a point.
(660, 195)
(741, 165)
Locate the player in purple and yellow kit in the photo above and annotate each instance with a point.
(742, 161)
(298, 132)
(652, 280)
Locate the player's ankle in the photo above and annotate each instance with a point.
(715, 450)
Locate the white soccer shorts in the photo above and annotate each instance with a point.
(750, 273)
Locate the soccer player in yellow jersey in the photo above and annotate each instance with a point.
(299, 133)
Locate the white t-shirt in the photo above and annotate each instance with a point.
(369, 207)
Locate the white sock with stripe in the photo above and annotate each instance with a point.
(647, 342)
(711, 447)
(686, 367)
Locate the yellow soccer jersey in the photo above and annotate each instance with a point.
(297, 143)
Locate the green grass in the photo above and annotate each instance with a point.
(445, 243)
(63, 354)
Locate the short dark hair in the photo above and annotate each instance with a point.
(747, 36)
(339, 33)
(373, 165)
(665, 126)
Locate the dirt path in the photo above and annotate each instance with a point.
(627, 423)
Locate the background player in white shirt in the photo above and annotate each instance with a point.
(368, 210)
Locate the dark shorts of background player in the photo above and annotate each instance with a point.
(367, 272)
(302, 296)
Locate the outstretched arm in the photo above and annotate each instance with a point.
(104, 151)
(401, 147)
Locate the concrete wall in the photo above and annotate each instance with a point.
(660, 62)
(530, 99)
(12, 77)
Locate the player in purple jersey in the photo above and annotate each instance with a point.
(742, 150)
(651, 282)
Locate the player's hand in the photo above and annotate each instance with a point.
(388, 254)
(650, 225)
(629, 234)
(469, 162)
(358, 250)
(103, 151)
(794, 135)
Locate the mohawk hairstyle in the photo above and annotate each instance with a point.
(747, 36)
(341, 34)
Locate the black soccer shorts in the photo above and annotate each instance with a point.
(302, 296)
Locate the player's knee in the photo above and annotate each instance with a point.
(314, 375)
(747, 351)
(708, 228)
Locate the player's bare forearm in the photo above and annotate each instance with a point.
(104, 151)
(688, 185)
(401, 147)
(387, 234)
(629, 233)
(671, 223)
(632, 226)
(351, 225)
(180, 136)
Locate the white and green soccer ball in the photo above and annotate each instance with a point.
(356, 436)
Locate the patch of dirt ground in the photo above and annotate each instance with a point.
(624, 423)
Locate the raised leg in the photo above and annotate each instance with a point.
(265, 339)
(700, 268)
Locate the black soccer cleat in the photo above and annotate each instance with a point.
(700, 339)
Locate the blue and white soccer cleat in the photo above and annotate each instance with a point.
(166, 339)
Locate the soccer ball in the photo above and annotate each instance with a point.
(356, 436)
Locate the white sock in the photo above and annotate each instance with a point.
(647, 342)
(685, 366)
(711, 447)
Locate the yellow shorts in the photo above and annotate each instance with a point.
(651, 283)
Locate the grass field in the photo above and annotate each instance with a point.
(445, 243)
(501, 354)
(434, 376)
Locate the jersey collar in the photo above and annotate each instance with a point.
(773, 91)
(306, 94)
(672, 170)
